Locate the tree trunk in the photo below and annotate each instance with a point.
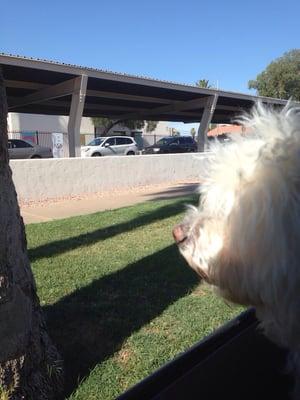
(108, 127)
(30, 365)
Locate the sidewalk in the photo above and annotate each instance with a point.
(79, 205)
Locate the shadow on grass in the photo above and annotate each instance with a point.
(91, 324)
(187, 189)
(85, 239)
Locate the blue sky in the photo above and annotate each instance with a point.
(227, 42)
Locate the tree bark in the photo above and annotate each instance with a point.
(111, 125)
(30, 366)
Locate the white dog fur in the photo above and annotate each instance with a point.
(245, 236)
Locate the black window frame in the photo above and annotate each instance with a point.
(15, 142)
(108, 139)
(95, 140)
(128, 139)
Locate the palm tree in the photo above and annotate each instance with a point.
(30, 366)
(193, 132)
(203, 83)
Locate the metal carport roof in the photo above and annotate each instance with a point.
(46, 87)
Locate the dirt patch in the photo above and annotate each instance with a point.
(105, 194)
(124, 356)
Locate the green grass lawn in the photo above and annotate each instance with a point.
(118, 298)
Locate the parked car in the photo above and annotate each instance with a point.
(18, 148)
(110, 146)
(171, 144)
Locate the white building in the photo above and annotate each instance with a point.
(18, 122)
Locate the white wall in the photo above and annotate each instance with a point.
(45, 123)
(57, 178)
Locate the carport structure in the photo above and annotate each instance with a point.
(46, 87)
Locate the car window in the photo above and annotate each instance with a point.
(96, 142)
(165, 141)
(111, 141)
(9, 144)
(123, 140)
(189, 140)
(20, 144)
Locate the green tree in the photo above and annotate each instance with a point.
(281, 78)
(175, 132)
(100, 122)
(193, 132)
(133, 125)
(203, 83)
(108, 123)
(151, 126)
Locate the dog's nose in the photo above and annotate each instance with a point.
(179, 234)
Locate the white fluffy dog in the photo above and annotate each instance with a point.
(245, 236)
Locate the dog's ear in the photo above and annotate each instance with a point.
(256, 250)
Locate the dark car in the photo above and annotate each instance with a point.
(171, 144)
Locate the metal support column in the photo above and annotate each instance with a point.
(76, 110)
(205, 121)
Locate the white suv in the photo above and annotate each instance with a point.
(110, 146)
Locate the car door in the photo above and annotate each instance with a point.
(11, 149)
(122, 145)
(20, 149)
(190, 144)
(174, 146)
(182, 147)
(109, 147)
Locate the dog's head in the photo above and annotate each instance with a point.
(238, 237)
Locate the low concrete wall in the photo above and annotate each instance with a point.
(57, 178)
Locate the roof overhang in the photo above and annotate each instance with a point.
(43, 87)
